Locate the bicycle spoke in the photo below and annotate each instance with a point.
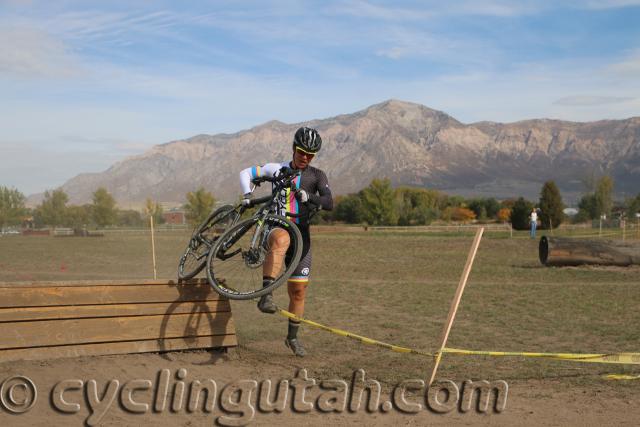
(236, 268)
(203, 238)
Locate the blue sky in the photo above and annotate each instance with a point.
(84, 84)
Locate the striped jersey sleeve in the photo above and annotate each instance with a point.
(246, 175)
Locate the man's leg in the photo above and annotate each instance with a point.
(297, 289)
(278, 244)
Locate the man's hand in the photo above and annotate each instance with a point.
(302, 196)
(286, 171)
(246, 199)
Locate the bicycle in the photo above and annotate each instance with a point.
(235, 260)
(204, 236)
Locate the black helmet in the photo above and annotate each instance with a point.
(308, 140)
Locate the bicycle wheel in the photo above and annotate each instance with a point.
(234, 268)
(195, 255)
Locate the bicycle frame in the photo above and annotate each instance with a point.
(270, 204)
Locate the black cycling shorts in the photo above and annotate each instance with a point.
(302, 271)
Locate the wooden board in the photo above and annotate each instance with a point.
(61, 319)
(96, 330)
(125, 347)
(105, 294)
(72, 283)
(111, 310)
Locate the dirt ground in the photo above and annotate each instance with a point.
(530, 402)
(391, 287)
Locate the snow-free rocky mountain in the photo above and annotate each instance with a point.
(409, 143)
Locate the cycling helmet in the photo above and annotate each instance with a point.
(308, 140)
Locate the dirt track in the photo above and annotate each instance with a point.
(511, 304)
(529, 402)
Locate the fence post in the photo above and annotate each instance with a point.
(456, 301)
(153, 248)
(600, 228)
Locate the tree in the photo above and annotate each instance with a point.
(492, 206)
(348, 209)
(416, 206)
(457, 213)
(484, 208)
(604, 196)
(322, 217)
(520, 214)
(455, 201)
(633, 206)
(588, 208)
(551, 205)
(11, 206)
(508, 203)
(53, 209)
(104, 208)
(377, 203)
(78, 216)
(504, 214)
(199, 205)
(129, 218)
(154, 209)
(593, 205)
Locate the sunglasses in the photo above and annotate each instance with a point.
(304, 153)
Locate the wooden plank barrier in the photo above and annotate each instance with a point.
(40, 320)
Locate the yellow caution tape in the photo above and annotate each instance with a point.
(621, 377)
(619, 358)
(360, 338)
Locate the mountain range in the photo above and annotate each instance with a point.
(409, 143)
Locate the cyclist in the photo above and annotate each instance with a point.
(311, 188)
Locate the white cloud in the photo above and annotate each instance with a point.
(94, 25)
(629, 67)
(611, 4)
(365, 9)
(591, 100)
(30, 52)
(429, 10)
(410, 43)
(496, 8)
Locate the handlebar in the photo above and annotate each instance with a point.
(281, 180)
(285, 173)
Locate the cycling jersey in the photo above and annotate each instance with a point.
(312, 180)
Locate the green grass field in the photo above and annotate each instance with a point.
(397, 288)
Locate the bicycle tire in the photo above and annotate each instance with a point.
(220, 272)
(194, 257)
